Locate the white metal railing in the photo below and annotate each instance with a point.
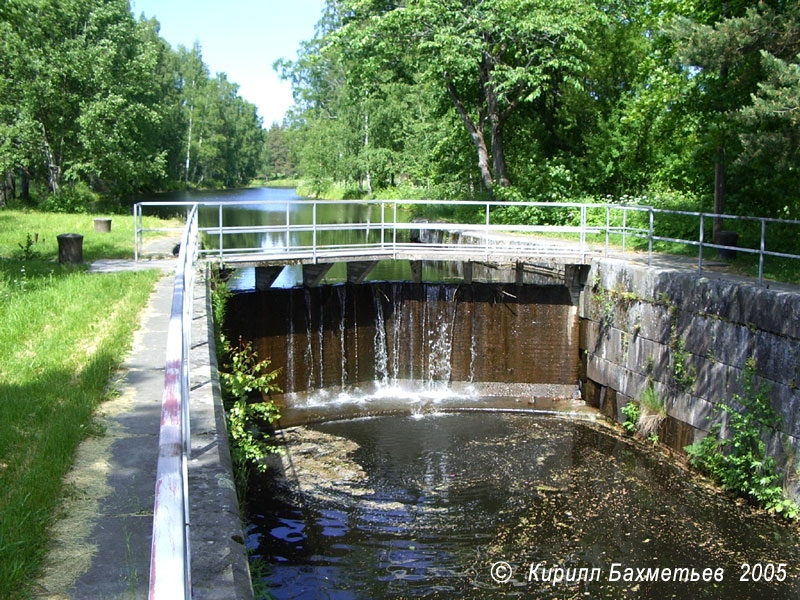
(590, 220)
(170, 560)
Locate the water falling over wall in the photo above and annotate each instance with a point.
(336, 336)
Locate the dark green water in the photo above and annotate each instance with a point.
(422, 507)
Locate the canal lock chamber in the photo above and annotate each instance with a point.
(425, 502)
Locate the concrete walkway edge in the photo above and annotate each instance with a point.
(100, 547)
(219, 557)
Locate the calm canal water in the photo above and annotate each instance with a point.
(424, 506)
(273, 212)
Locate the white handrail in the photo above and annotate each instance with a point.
(170, 560)
(604, 226)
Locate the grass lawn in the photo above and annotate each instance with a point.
(17, 225)
(63, 333)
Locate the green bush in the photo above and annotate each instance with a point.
(632, 412)
(71, 198)
(244, 375)
(739, 462)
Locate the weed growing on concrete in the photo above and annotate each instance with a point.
(632, 413)
(245, 375)
(683, 373)
(739, 462)
(653, 412)
(220, 293)
(259, 571)
(607, 303)
(625, 344)
(644, 417)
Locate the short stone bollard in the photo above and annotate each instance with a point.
(70, 248)
(102, 225)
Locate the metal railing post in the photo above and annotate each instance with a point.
(136, 232)
(608, 226)
(624, 227)
(383, 223)
(288, 221)
(761, 249)
(650, 238)
(314, 230)
(394, 233)
(219, 220)
(486, 230)
(583, 233)
(702, 238)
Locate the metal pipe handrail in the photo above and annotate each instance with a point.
(170, 556)
(609, 212)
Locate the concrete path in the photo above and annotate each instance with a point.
(100, 546)
(101, 549)
(157, 254)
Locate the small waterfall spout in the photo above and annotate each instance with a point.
(439, 335)
(381, 353)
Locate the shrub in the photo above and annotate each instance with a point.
(632, 413)
(653, 413)
(739, 462)
(71, 198)
(243, 376)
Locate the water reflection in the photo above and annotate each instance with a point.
(274, 209)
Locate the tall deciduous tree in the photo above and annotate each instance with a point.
(490, 56)
(90, 94)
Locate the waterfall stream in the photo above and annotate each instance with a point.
(413, 342)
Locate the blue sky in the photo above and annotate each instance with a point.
(241, 38)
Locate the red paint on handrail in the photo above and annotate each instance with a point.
(170, 572)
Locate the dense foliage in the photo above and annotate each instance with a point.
(738, 460)
(562, 99)
(93, 100)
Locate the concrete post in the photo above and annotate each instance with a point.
(70, 248)
(102, 225)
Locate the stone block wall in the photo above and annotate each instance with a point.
(690, 335)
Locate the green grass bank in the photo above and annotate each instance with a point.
(63, 334)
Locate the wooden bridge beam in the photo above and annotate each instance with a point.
(358, 270)
(266, 276)
(313, 274)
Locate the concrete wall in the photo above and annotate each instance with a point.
(220, 568)
(640, 324)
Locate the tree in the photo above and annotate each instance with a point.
(726, 52)
(771, 124)
(277, 160)
(193, 77)
(490, 57)
(90, 95)
(119, 122)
